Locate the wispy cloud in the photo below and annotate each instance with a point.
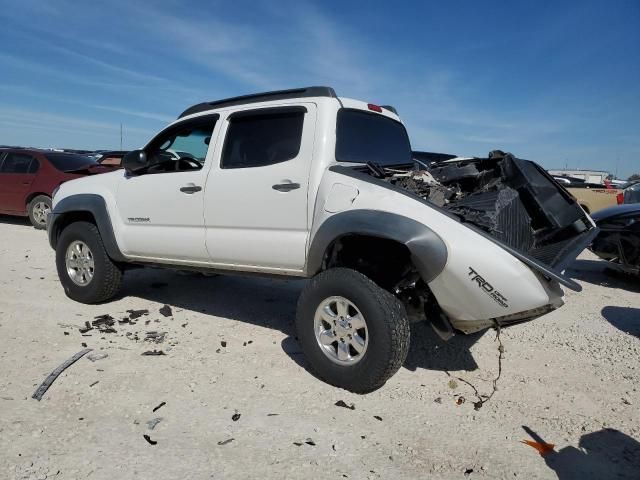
(135, 113)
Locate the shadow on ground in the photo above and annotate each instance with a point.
(626, 319)
(272, 303)
(10, 220)
(597, 272)
(607, 453)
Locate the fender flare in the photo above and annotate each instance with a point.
(97, 207)
(428, 250)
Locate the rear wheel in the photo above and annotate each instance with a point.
(38, 210)
(354, 334)
(86, 272)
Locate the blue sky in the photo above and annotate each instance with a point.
(556, 82)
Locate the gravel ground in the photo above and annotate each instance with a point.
(237, 401)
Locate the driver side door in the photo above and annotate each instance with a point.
(161, 207)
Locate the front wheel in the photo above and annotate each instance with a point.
(86, 272)
(354, 334)
(38, 210)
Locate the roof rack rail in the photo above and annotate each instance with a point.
(261, 97)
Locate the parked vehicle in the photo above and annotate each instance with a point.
(619, 239)
(28, 178)
(632, 193)
(110, 158)
(302, 183)
(593, 198)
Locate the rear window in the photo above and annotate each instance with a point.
(68, 162)
(363, 137)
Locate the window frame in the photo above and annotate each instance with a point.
(372, 114)
(4, 157)
(258, 112)
(192, 122)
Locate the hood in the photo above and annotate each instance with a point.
(615, 211)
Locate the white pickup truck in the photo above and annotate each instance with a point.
(303, 183)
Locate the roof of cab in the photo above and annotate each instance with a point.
(261, 97)
(294, 93)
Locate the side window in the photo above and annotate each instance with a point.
(34, 166)
(16, 163)
(257, 139)
(180, 148)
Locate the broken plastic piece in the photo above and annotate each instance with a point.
(541, 447)
(148, 439)
(166, 311)
(44, 386)
(341, 403)
(162, 404)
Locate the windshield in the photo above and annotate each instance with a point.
(68, 162)
(363, 137)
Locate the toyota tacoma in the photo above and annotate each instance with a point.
(303, 183)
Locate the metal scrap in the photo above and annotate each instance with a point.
(44, 386)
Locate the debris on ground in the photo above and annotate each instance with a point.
(341, 403)
(541, 447)
(150, 353)
(155, 337)
(460, 400)
(378, 417)
(166, 311)
(223, 343)
(162, 404)
(308, 441)
(468, 471)
(44, 386)
(148, 439)
(437, 400)
(151, 424)
(538, 443)
(482, 399)
(94, 357)
(104, 323)
(133, 314)
(235, 417)
(224, 442)
(94, 383)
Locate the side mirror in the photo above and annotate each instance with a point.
(135, 160)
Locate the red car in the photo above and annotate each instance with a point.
(28, 178)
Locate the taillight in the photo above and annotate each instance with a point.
(620, 198)
(375, 108)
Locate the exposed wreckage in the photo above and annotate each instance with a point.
(512, 200)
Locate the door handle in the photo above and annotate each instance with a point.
(285, 187)
(191, 188)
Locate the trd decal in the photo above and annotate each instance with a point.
(139, 219)
(488, 288)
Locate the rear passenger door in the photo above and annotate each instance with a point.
(256, 194)
(17, 173)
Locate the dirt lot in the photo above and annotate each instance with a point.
(570, 379)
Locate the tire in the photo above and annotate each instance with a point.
(386, 332)
(38, 209)
(106, 276)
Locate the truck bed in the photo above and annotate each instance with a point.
(514, 201)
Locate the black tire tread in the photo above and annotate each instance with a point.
(110, 280)
(395, 317)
